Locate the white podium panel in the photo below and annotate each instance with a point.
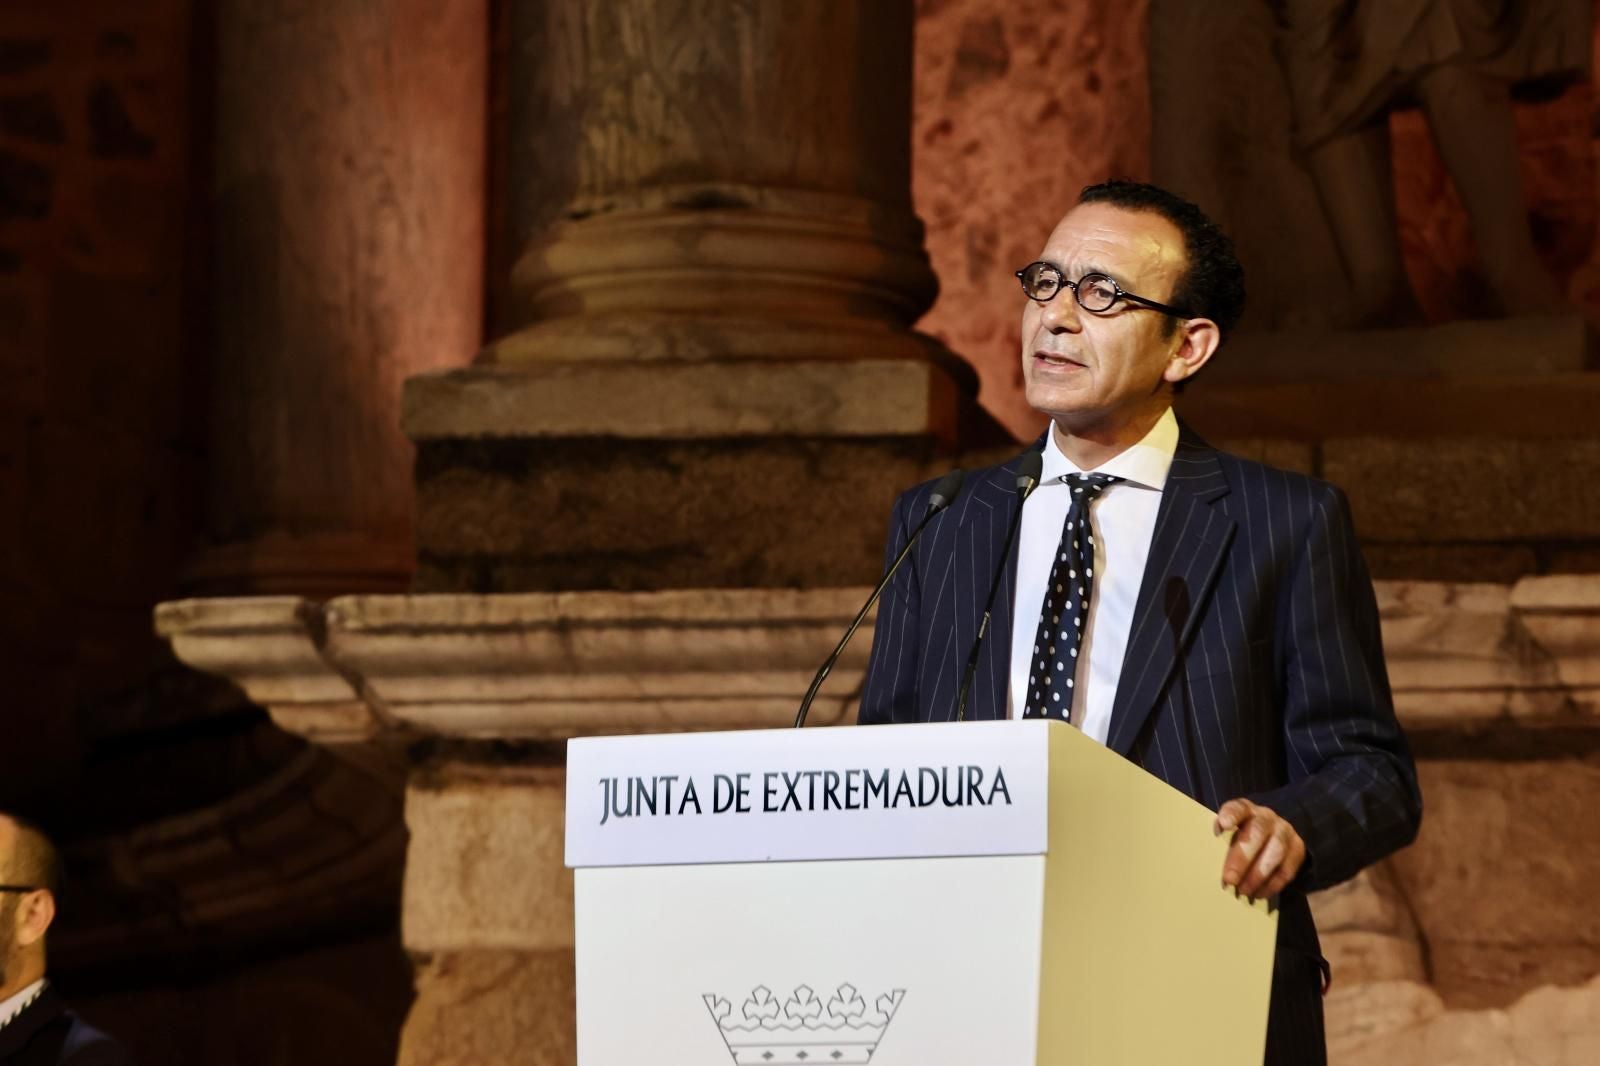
(983, 894)
(812, 962)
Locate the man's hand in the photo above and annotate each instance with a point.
(1266, 851)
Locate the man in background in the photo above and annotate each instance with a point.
(36, 1028)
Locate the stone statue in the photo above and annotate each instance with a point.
(1303, 177)
(1349, 62)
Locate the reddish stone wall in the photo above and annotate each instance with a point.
(1019, 105)
(96, 470)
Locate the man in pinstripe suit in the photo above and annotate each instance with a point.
(1227, 638)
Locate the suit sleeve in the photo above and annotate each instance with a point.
(1352, 790)
(889, 693)
(95, 1049)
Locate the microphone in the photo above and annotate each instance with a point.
(943, 495)
(1028, 472)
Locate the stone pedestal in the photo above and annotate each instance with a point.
(1457, 444)
(709, 317)
(478, 691)
(348, 246)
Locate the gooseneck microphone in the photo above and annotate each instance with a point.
(943, 495)
(1028, 472)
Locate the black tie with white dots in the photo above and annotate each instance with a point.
(1053, 669)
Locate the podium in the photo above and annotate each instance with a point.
(974, 894)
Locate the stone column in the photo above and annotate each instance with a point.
(710, 312)
(348, 237)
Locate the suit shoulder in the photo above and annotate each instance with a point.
(1263, 479)
(87, 1046)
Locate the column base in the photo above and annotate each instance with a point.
(317, 566)
(674, 474)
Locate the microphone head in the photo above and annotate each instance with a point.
(945, 492)
(1029, 470)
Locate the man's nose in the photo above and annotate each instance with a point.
(1061, 315)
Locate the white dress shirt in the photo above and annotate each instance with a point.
(1124, 518)
(10, 1008)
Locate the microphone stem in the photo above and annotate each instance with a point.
(988, 607)
(883, 583)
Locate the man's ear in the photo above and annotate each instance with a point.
(34, 915)
(1198, 339)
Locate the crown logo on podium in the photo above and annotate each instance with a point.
(803, 1030)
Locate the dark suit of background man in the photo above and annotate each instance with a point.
(36, 1029)
(1230, 642)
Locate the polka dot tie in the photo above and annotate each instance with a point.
(1053, 670)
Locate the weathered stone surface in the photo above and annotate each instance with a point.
(112, 130)
(1073, 75)
(1463, 658)
(697, 400)
(1557, 405)
(1501, 562)
(485, 865)
(511, 516)
(551, 666)
(26, 188)
(32, 117)
(1501, 878)
(18, 54)
(1367, 931)
(479, 1007)
(1356, 1013)
(1545, 346)
(348, 141)
(1285, 454)
(1468, 489)
(1550, 1026)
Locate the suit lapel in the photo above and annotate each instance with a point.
(41, 1012)
(997, 504)
(994, 506)
(1187, 547)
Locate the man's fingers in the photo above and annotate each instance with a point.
(1277, 883)
(1247, 843)
(1266, 865)
(1231, 815)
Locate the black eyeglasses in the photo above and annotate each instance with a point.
(19, 888)
(1041, 281)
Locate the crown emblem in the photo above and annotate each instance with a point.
(803, 1030)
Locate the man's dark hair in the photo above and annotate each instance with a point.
(1213, 285)
(36, 861)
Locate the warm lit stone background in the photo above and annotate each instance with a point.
(98, 438)
(103, 378)
(1019, 105)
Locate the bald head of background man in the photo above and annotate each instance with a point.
(36, 1028)
(30, 877)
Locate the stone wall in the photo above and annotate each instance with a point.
(1019, 105)
(1478, 944)
(98, 471)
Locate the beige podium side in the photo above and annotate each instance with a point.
(1001, 893)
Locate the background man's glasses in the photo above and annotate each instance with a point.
(19, 888)
(1041, 281)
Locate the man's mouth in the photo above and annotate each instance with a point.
(1053, 360)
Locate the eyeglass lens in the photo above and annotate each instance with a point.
(1095, 292)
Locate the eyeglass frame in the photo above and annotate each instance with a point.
(1122, 294)
(24, 889)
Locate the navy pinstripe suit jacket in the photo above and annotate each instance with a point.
(1254, 667)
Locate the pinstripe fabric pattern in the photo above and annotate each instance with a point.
(1254, 668)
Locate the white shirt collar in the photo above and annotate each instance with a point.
(1146, 463)
(9, 1009)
